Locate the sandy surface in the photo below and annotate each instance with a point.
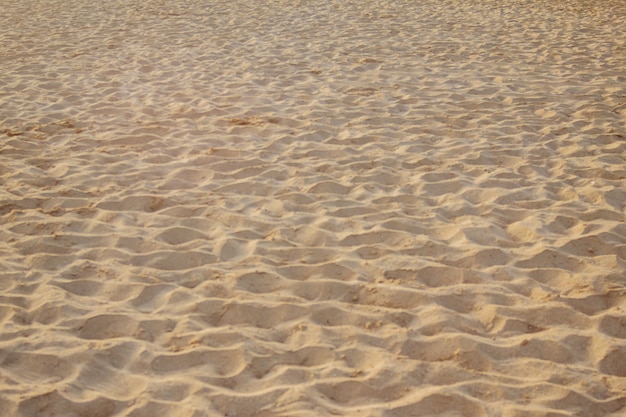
(312, 208)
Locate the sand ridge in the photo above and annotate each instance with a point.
(297, 208)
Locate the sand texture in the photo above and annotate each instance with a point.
(374, 208)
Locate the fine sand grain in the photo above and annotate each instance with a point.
(373, 208)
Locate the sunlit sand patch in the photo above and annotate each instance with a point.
(383, 209)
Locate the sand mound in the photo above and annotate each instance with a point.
(355, 208)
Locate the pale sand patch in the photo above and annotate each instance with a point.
(313, 208)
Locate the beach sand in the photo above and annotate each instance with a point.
(368, 208)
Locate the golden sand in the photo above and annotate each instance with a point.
(375, 208)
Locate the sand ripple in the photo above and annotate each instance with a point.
(304, 208)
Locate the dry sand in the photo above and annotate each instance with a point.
(312, 208)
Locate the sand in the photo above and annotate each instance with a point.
(313, 208)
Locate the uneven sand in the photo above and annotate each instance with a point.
(313, 208)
